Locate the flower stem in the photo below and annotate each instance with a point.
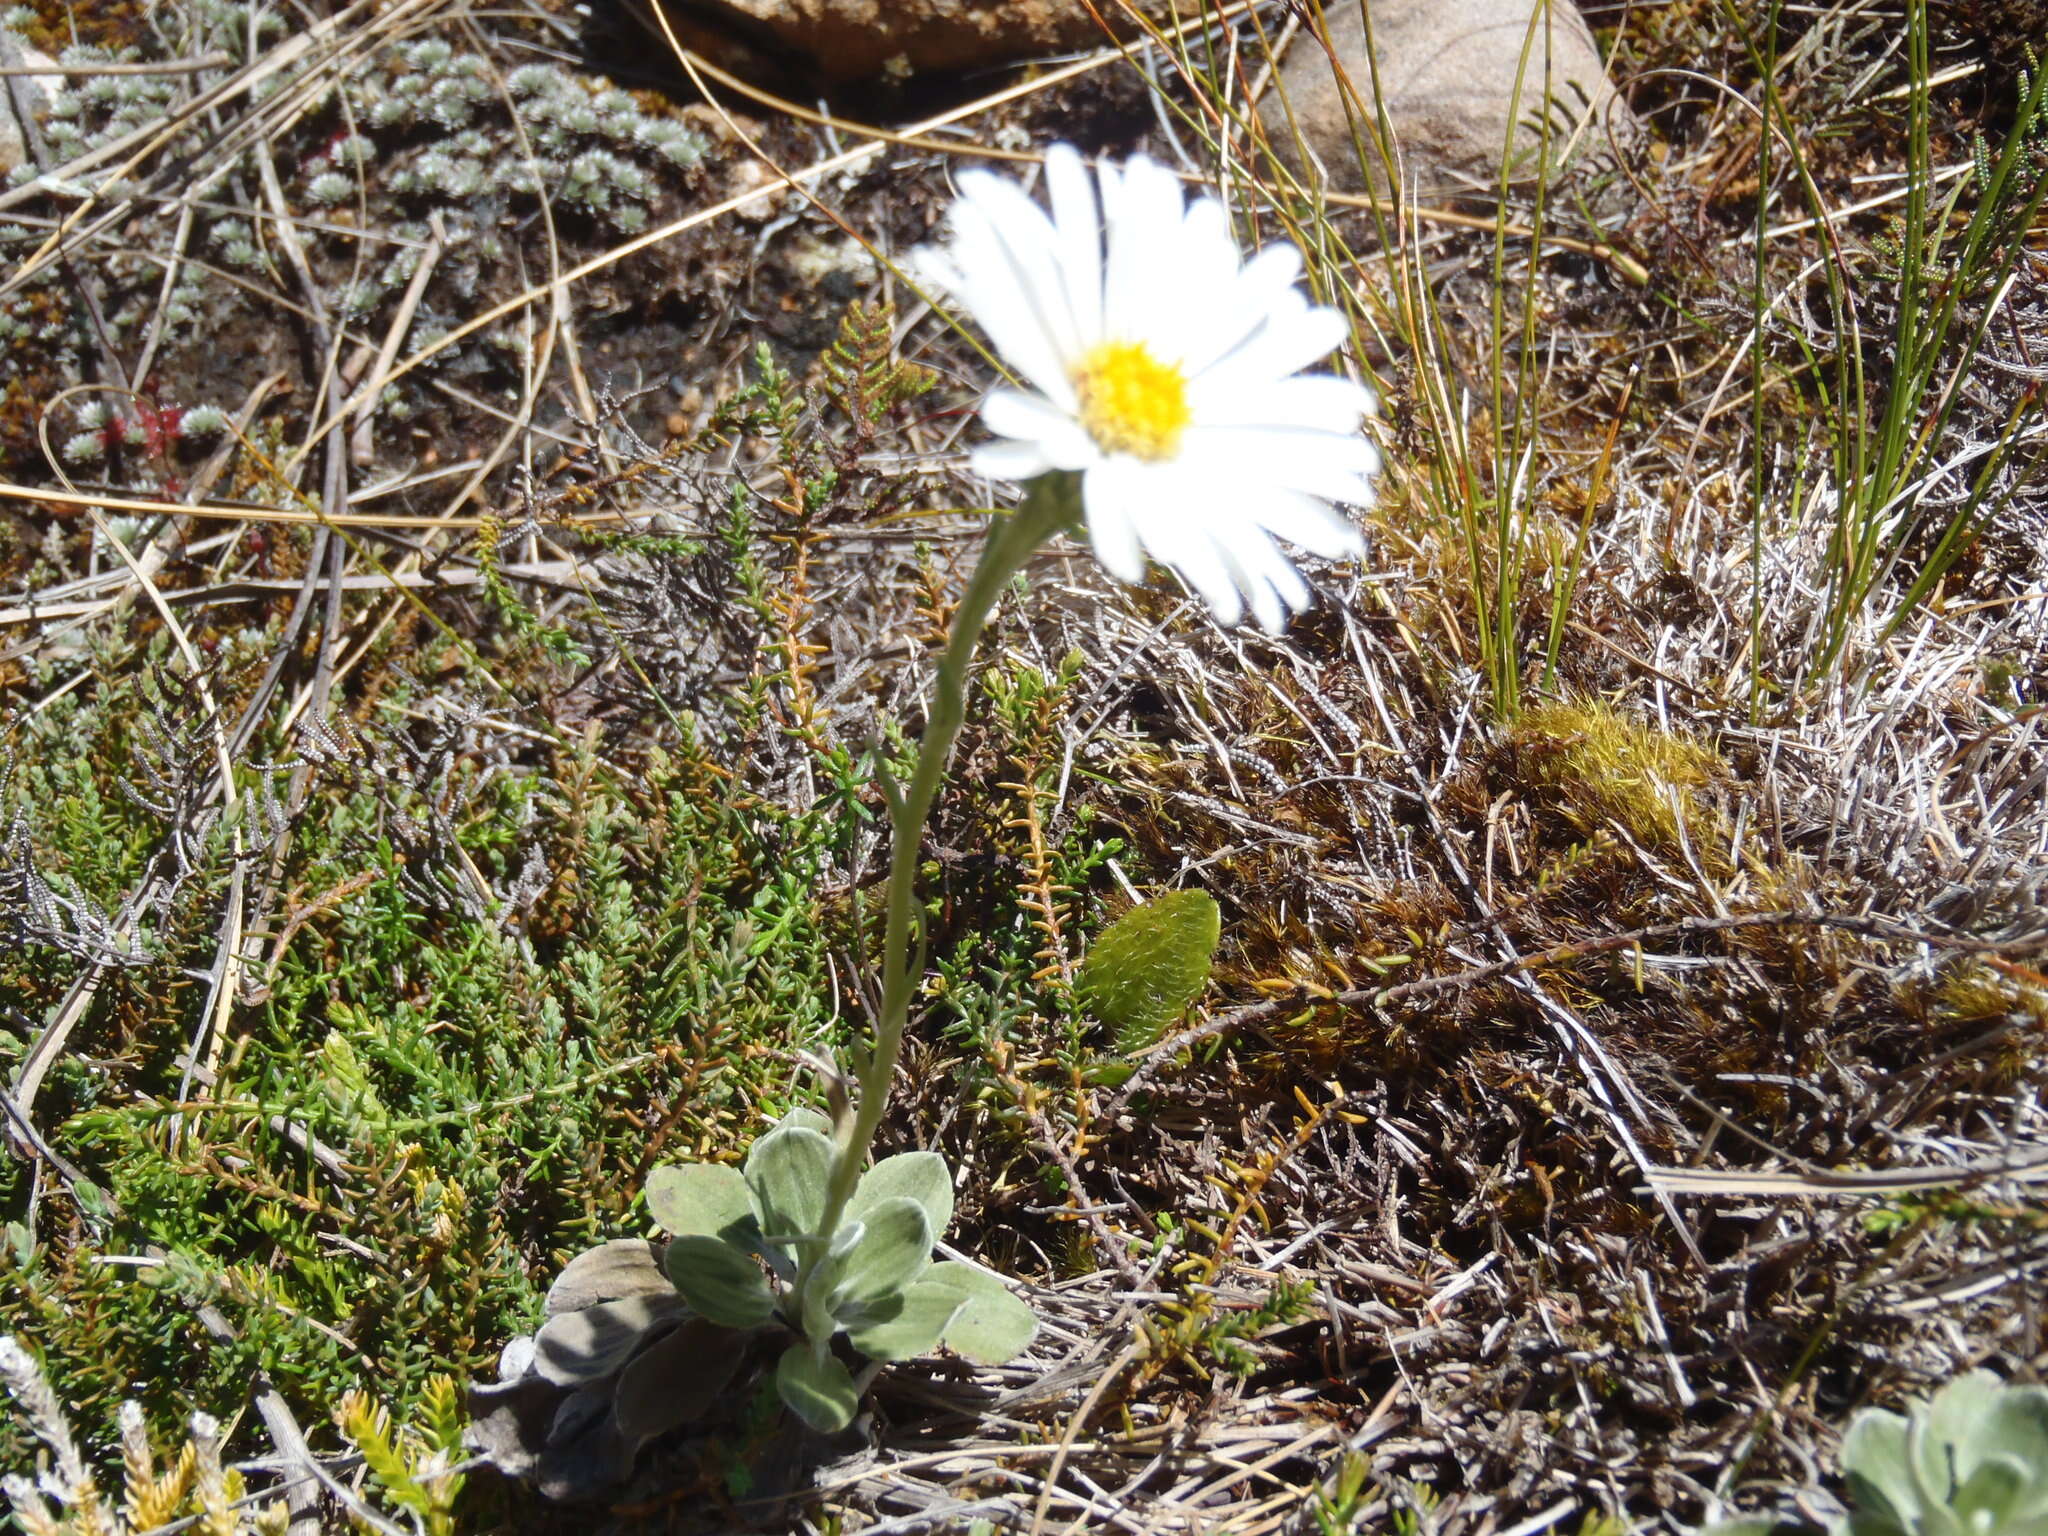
(1048, 505)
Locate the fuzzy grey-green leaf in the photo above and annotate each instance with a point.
(676, 1380)
(992, 1326)
(919, 1176)
(594, 1341)
(2017, 1426)
(720, 1282)
(788, 1171)
(1974, 1459)
(702, 1199)
(908, 1324)
(818, 1319)
(803, 1117)
(820, 1392)
(611, 1271)
(1876, 1464)
(1146, 968)
(894, 1249)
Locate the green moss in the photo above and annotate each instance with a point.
(1600, 768)
(1975, 993)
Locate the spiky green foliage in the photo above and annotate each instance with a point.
(413, 1465)
(449, 1058)
(191, 1489)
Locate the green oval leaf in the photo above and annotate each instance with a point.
(720, 1282)
(909, 1324)
(820, 1392)
(919, 1176)
(992, 1325)
(702, 1199)
(788, 1171)
(894, 1249)
(1146, 968)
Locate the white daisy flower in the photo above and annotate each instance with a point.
(1165, 373)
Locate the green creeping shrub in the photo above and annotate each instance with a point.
(749, 1248)
(1973, 1462)
(192, 1488)
(414, 1465)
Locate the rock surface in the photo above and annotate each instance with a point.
(857, 39)
(33, 93)
(1447, 72)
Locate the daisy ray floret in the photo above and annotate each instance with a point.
(1165, 376)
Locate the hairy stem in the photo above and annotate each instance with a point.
(1049, 503)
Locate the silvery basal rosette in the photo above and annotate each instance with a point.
(1165, 372)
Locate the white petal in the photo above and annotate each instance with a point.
(1208, 242)
(1036, 255)
(1005, 459)
(1201, 566)
(1294, 337)
(931, 265)
(1266, 281)
(1268, 578)
(1177, 525)
(1335, 466)
(1306, 521)
(1078, 222)
(1111, 493)
(1256, 565)
(1035, 420)
(1226, 397)
(1192, 273)
(1143, 225)
(1288, 583)
(1205, 310)
(1265, 601)
(1001, 289)
(1285, 450)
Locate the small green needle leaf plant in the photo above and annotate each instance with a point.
(1973, 1462)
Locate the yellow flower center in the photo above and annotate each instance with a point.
(1130, 401)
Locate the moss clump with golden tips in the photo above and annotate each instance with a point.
(1599, 768)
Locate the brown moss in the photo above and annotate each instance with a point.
(109, 24)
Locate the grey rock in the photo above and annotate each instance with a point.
(22, 93)
(1446, 73)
